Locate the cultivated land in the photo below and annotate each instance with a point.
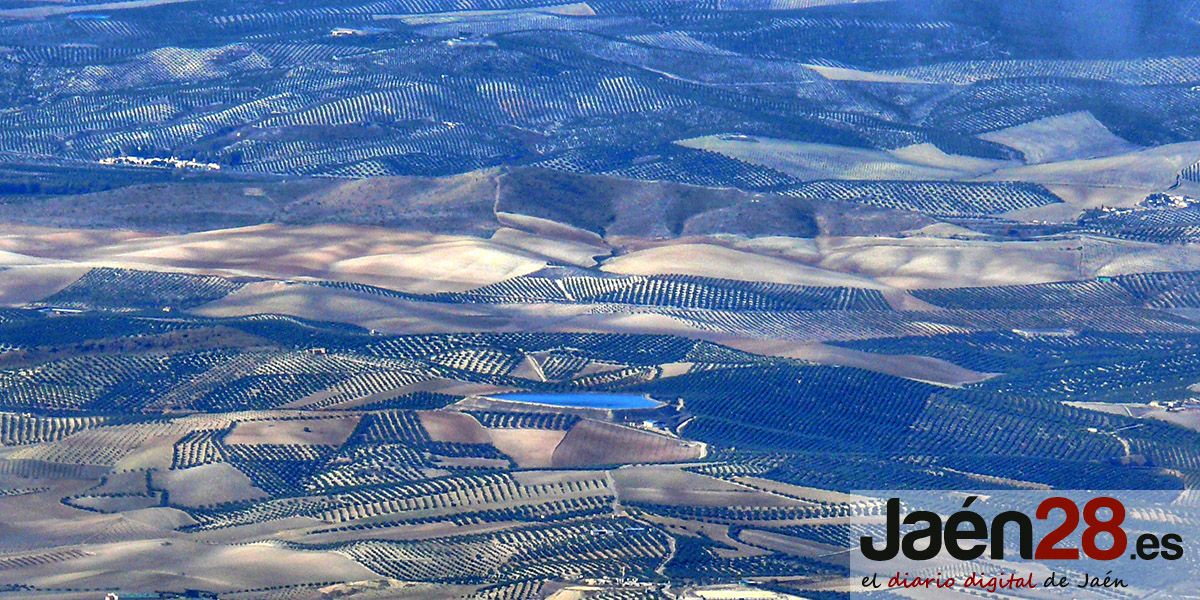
(265, 267)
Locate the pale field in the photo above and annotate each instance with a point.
(595, 443)
(889, 264)
(413, 262)
(790, 545)
(391, 589)
(40, 520)
(320, 432)
(561, 250)
(550, 229)
(382, 313)
(1152, 169)
(53, 10)
(1078, 198)
(920, 368)
(930, 155)
(448, 426)
(804, 250)
(587, 443)
(712, 260)
(808, 161)
(576, 9)
(944, 231)
(844, 74)
(1123, 257)
(177, 563)
(1188, 418)
(25, 283)
(675, 369)
(913, 263)
(735, 592)
(529, 368)
(672, 485)
(792, 4)
(1072, 136)
(800, 492)
(530, 448)
(209, 484)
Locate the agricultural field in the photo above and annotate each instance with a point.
(529, 299)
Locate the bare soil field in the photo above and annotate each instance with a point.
(596, 443)
(1150, 170)
(825, 161)
(921, 263)
(167, 560)
(208, 485)
(711, 260)
(320, 432)
(789, 545)
(1187, 417)
(1073, 136)
(445, 426)
(672, 485)
(414, 262)
(920, 368)
(530, 448)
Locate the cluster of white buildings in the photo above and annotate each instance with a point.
(162, 163)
